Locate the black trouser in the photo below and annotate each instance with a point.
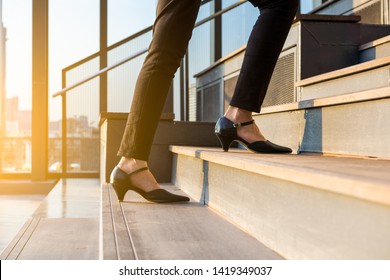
(172, 31)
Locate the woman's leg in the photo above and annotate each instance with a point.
(263, 49)
(172, 31)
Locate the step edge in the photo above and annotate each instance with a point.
(377, 191)
(348, 98)
(374, 43)
(347, 71)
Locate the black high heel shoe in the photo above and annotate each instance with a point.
(226, 131)
(121, 183)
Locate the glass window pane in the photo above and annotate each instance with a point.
(15, 86)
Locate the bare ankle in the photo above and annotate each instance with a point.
(131, 164)
(237, 114)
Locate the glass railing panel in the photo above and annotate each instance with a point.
(128, 17)
(121, 83)
(82, 71)
(129, 48)
(227, 3)
(55, 150)
(308, 5)
(199, 57)
(205, 10)
(236, 27)
(121, 80)
(82, 109)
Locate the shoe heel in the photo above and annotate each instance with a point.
(225, 141)
(120, 191)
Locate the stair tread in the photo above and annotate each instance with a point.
(354, 69)
(175, 231)
(363, 178)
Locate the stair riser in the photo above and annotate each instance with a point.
(351, 129)
(183, 170)
(346, 7)
(370, 79)
(296, 221)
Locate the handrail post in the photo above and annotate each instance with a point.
(186, 92)
(182, 91)
(64, 129)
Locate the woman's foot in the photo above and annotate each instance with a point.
(238, 125)
(142, 180)
(133, 174)
(250, 133)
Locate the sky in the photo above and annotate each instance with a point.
(73, 35)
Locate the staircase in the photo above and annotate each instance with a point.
(331, 198)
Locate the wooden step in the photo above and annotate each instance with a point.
(360, 77)
(301, 206)
(137, 229)
(349, 124)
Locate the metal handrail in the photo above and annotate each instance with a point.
(109, 48)
(104, 70)
(131, 57)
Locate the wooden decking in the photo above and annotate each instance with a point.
(65, 225)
